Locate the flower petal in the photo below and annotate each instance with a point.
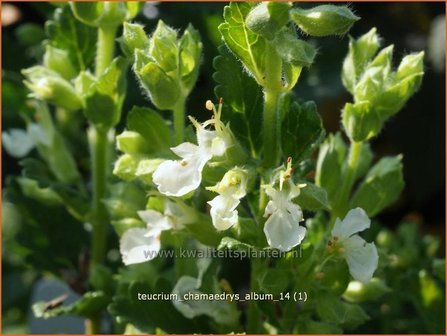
(177, 178)
(185, 150)
(223, 211)
(355, 221)
(136, 248)
(362, 258)
(156, 222)
(17, 142)
(283, 231)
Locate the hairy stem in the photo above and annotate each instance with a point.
(341, 204)
(105, 48)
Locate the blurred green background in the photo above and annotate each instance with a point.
(418, 131)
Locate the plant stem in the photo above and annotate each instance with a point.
(271, 129)
(341, 204)
(179, 120)
(99, 151)
(105, 48)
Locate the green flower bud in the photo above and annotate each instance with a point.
(330, 161)
(163, 90)
(47, 85)
(293, 50)
(58, 60)
(358, 292)
(360, 53)
(133, 38)
(103, 14)
(83, 82)
(406, 82)
(267, 18)
(125, 167)
(146, 168)
(190, 54)
(361, 121)
(132, 143)
(324, 20)
(163, 47)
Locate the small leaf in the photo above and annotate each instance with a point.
(381, 186)
(302, 130)
(105, 96)
(246, 45)
(133, 38)
(292, 50)
(151, 126)
(78, 40)
(361, 121)
(313, 198)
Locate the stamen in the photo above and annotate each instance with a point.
(183, 163)
(209, 105)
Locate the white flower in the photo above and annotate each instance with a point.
(231, 189)
(282, 228)
(179, 177)
(138, 245)
(17, 142)
(223, 211)
(362, 257)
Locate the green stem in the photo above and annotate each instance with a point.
(100, 167)
(341, 204)
(100, 149)
(271, 129)
(179, 120)
(105, 48)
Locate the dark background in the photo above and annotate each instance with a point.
(418, 131)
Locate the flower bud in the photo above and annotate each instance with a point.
(358, 292)
(324, 20)
(125, 167)
(131, 143)
(190, 54)
(361, 121)
(58, 60)
(163, 90)
(146, 168)
(233, 183)
(163, 47)
(107, 13)
(49, 86)
(360, 53)
(133, 38)
(267, 18)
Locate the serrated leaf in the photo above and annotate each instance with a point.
(302, 130)
(243, 96)
(248, 46)
(313, 198)
(66, 33)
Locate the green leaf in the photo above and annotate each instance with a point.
(267, 18)
(242, 95)
(190, 55)
(78, 40)
(105, 96)
(330, 161)
(381, 186)
(89, 304)
(131, 142)
(324, 20)
(246, 45)
(104, 14)
(332, 310)
(335, 277)
(233, 244)
(151, 126)
(313, 198)
(274, 281)
(58, 60)
(302, 130)
(292, 50)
